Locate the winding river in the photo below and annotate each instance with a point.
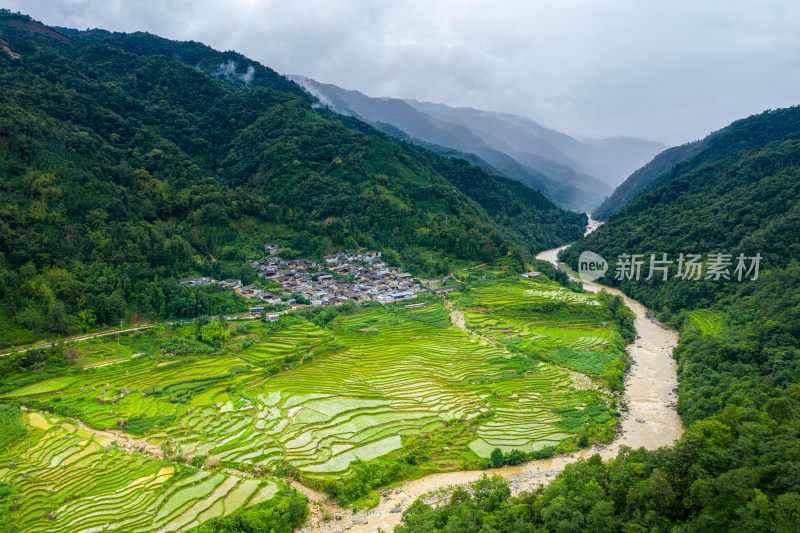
(650, 421)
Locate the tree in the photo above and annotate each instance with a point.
(787, 512)
(491, 493)
(57, 318)
(496, 458)
(601, 517)
(659, 493)
(213, 332)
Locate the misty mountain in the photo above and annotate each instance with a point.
(609, 160)
(574, 174)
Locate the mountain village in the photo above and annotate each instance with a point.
(354, 276)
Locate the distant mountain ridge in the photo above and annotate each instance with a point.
(575, 174)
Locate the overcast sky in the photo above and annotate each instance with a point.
(666, 70)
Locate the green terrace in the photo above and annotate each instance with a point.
(64, 478)
(541, 319)
(316, 396)
(706, 321)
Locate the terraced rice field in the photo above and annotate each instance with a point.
(315, 399)
(709, 322)
(404, 372)
(99, 351)
(515, 311)
(576, 333)
(300, 338)
(68, 481)
(524, 292)
(42, 387)
(104, 402)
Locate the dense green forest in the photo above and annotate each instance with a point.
(741, 195)
(742, 134)
(128, 161)
(737, 468)
(642, 178)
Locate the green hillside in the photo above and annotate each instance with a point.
(737, 468)
(740, 195)
(129, 160)
(640, 180)
(744, 134)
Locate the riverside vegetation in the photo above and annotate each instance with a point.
(346, 400)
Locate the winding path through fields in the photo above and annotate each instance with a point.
(458, 319)
(104, 333)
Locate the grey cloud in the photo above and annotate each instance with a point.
(663, 70)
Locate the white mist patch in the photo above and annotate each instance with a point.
(311, 88)
(228, 70)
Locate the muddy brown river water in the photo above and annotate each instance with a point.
(650, 421)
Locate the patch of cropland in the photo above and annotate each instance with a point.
(548, 321)
(68, 479)
(415, 374)
(327, 395)
(706, 321)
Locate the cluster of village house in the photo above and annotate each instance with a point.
(356, 276)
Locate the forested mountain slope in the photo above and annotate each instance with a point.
(643, 177)
(740, 135)
(737, 468)
(740, 194)
(129, 160)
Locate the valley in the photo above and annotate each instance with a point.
(237, 302)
